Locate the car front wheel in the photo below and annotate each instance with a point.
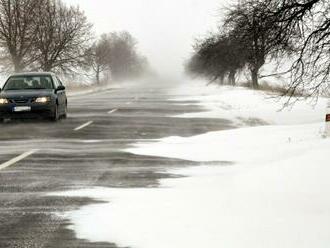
(55, 115)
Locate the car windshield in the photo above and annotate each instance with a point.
(29, 82)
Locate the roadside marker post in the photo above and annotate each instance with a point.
(327, 121)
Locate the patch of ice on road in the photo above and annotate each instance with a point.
(243, 105)
(255, 204)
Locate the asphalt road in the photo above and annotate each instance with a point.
(40, 157)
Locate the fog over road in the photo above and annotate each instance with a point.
(85, 150)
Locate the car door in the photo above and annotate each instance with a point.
(63, 92)
(60, 95)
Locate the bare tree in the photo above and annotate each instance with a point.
(17, 31)
(116, 54)
(99, 56)
(42, 34)
(63, 35)
(306, 23)
(217, 57)
(125, 61)
(248, 38)
(256, 30)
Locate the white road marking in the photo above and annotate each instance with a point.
(83, 126)
(112, 111)
(17, 159)
(128, 103)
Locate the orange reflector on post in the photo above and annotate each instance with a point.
(327, 118)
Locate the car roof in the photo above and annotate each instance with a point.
(33, 74)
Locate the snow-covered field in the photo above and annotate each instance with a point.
(275, 194)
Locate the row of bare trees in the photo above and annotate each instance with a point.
(218, 58)
(255, 32)
(116, 54)
(48, 35)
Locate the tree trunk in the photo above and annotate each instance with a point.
(98, 75)
(232, 78)
(255, 79)
(17, 65)
(221, 79)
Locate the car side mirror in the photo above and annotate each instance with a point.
(59, 88)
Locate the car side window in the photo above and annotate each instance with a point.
(56, 83)
(59, 81)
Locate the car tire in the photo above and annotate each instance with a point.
(55, 115)
(65, 115)
(2, 120)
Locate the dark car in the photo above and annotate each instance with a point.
(27, 95)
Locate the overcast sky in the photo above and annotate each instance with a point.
(165, 29)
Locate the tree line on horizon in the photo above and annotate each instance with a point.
(48, 35)
(116, 53)
(256, 32)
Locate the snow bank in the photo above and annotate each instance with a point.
(243, 105)
(279, 203)
(246, 145)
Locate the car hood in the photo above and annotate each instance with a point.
(25, 93)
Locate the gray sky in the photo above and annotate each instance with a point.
(165, 29)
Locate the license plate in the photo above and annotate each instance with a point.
(22, 109)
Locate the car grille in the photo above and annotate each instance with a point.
(20, 101)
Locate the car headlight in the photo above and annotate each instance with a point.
(43, 99)
(3, 101)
